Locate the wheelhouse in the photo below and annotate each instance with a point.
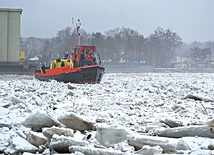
(85, 55)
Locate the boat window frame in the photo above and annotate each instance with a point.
(78, 51)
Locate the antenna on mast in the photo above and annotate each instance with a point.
(78, 29)
(72, 22)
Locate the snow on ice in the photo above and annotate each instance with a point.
(145, 113)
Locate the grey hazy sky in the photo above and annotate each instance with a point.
(192, 20)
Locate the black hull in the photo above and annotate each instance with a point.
(85, 75)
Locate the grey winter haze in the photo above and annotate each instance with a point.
(192, 20)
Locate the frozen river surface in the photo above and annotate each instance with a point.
(139, 102)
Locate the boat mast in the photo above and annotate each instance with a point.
(92, 39)
(78, 30)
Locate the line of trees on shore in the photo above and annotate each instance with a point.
(117, 45)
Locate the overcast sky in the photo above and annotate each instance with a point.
(192, 20)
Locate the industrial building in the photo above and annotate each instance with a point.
(10, 43)
(10, 36)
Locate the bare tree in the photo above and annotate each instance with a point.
(163, 45)
(201, 56)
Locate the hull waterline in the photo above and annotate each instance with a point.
(92, 74)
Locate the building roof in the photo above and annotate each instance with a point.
(10, 10)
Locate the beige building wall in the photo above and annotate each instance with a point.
(10, 35)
